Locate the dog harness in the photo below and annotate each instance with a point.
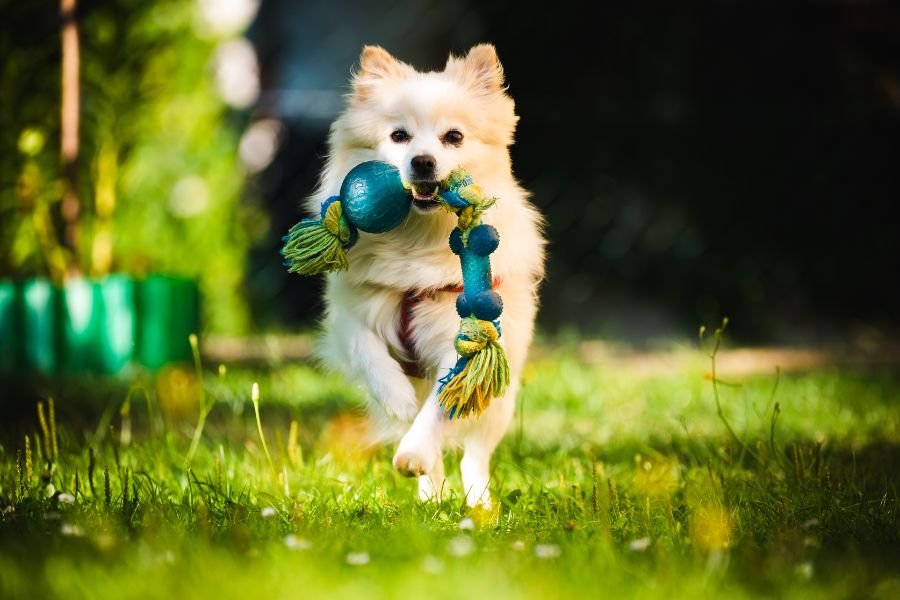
(411, 364)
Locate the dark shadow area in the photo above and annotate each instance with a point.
(692, 161)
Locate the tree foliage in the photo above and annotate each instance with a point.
(157, 175)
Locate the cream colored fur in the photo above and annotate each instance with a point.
(360, 330)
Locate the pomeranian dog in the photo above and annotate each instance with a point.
(390, 320)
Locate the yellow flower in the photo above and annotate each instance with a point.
(656, 477)
(711, 528)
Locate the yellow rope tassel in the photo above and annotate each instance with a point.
(483, 375)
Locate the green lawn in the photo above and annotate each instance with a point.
(614, 482)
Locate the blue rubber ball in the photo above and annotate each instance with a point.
(373, 197)
(483, 240)
(487, 305)
(462, 307)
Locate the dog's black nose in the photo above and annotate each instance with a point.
(423, 166)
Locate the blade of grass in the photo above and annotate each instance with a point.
(206, 406)
(254, 397)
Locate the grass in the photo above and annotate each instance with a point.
(611, 482)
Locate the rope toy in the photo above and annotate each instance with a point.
(373, 199)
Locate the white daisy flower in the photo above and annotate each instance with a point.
(461, 545)
(639, 545)
(547, 551)
(292, 542)
(70, 530)
(357, 559)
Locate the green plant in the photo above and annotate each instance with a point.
(157, 177)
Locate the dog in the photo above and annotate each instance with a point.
(392, 314)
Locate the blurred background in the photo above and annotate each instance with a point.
(693, 160)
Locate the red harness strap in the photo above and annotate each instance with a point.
(412, 367)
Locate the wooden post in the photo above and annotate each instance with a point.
(71, 207)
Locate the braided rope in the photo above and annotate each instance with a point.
(482, 372)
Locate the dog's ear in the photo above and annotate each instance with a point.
(480, 69)
(375, 61)
(376, 64)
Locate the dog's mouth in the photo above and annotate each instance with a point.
(425, 195)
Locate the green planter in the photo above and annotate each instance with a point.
(37, 318)
(168, 312)
(101, 326)
(8, 334)
(97, 325)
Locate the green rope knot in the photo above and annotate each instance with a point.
(336, 223)
(474, 335)
(474, 195)
(481, 374)
(319, 246)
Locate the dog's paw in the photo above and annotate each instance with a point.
(431, 487)
(411, 464)
(415, 459)
(480, 500)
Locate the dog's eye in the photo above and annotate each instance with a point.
(399, 136)
(453, 137)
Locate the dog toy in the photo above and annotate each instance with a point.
(373, 199)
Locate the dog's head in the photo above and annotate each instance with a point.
(427, 124)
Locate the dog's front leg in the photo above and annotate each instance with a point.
(480, 439)
(420, 452)
(384, 377)
(350, 346)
